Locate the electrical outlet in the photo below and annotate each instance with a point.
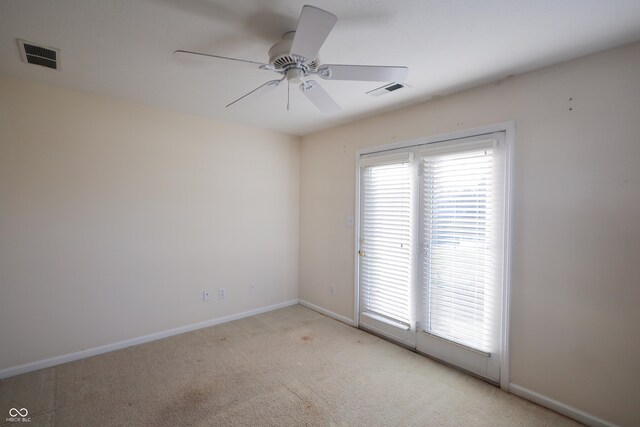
(252, 287)
(206, 295)
(332, 289)
(221, 293)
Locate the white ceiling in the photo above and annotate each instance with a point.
(123, 49)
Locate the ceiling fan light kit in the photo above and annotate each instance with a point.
(296, 59)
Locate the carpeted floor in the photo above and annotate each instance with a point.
(289, 367)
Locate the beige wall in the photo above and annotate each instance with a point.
(114, 217)
(576, 242)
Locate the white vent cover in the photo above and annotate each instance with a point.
(382, 90)
(33, 53)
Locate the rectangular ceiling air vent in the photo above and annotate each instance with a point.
(32, 53)
(386, 89)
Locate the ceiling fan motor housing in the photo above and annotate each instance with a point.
(281, 58)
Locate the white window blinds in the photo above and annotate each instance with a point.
(458, 238)
(385, 249)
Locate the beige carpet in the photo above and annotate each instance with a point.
(289, 367)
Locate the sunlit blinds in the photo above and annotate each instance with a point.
(385, 269)
(458, 245)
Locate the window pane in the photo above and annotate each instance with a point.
(385, 268)
(458, 237)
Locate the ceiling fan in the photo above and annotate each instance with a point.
(296, 60)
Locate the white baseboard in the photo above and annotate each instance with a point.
(564, 409)
(326, 312)
(46, 363)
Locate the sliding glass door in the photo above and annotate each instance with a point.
(432, 247)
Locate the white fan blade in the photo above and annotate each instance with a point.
(208, 57)
(319, 97)
(260, 90)
(313, 28)
(367, 73)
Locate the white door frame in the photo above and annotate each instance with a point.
(509, 128)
